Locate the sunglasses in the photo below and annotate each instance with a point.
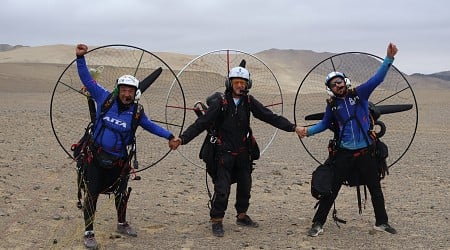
(337, 82)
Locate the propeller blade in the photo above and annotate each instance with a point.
(382, 109)
(316, 116)
(144, 84)
(243, 63)
(388, 109)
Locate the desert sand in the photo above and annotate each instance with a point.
(168, 207)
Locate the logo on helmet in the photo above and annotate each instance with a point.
(238, 72)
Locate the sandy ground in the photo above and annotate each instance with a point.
(168, 207)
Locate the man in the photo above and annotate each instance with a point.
(353, 156)
(234, 162)
(108, 170)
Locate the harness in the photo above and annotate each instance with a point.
(368, 135)
(85, 150)
(213, 139)
(335, 142)
(213, 130)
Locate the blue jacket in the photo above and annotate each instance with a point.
(113, 131)
(352, 136)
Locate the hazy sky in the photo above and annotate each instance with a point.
(421, 29)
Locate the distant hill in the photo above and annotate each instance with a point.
(436, 80)
(444, 75)
(64, 54)
(289, 66)
(5, 47)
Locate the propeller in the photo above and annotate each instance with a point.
(203, 78)
(144, 84)
(376, 109)
(66, 102)
(394, 96)
(376, 112)
(243, 63)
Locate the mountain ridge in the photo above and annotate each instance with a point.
(288, 65)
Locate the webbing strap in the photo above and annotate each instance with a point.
(335, 218)
(358, 193)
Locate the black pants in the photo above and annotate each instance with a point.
(98, 181)
(356, 170)
(232, 167)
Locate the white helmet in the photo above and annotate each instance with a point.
(335, 74)
(239, 72)
(128, 80)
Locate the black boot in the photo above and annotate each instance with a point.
(245, 220)
(217, 227)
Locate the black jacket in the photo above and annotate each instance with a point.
(234, 120)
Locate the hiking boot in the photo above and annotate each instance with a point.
(385, 228)
(89, 240)
(217, 229)
(126, 229)
(246, 221)
(316, 229)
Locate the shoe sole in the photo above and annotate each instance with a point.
(96, 246)
(219, 233)
(382, 230)
(316, 234)
(247, 225)
(91, 247)
(126, 233)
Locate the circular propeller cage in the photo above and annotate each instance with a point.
(206, 74)
(69, 112)
(394, 94)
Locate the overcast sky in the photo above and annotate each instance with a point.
(421, 29)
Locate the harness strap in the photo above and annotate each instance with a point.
(335, 218)
(365, 196)
(358, 193)
(360, 152)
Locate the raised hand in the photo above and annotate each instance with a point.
(391, 50)
(81, 49)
